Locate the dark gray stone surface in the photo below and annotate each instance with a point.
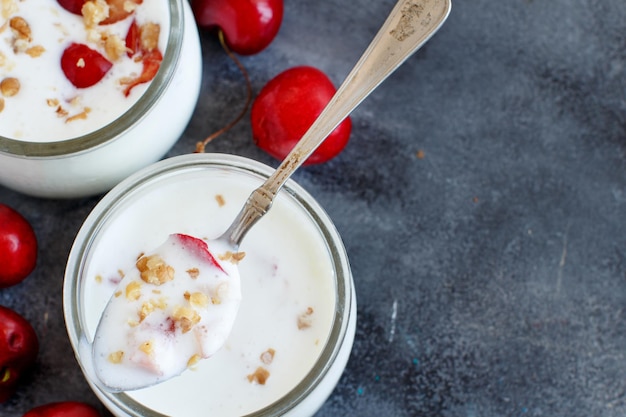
(491, 273)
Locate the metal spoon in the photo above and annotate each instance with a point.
(409, 26)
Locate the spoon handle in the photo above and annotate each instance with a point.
(410, 25)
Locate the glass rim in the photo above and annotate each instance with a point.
(144, 178)
(113, 130)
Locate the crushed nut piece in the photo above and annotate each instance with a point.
(145, 310)
(193, 360)
(98, 278)
(20, 28)
(35, 51)
(133, 291)
(114, 47)
(197, 299)
(305, 320)
(1, 104)
(220, 200)
(193, 273)
(268, 356)
(186, 317)
(233, 257)
(259, 376)
(94, 12)
(147, 347)
(116, 357)
(61, 112)
(149, 36)
(8, 8)
(154, 270)
(117, 294)
(10, 86)
(82, 115)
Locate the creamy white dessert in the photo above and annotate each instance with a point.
(288, 293)
(38, 102)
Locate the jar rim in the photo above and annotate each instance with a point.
(344, 297)
(112, 130)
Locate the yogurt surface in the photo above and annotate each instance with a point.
(287, 284)
(47, 106)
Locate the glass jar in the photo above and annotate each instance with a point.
(298, 292)
(94, 162)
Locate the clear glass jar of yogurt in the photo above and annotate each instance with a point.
(294, 332)
(75, 142)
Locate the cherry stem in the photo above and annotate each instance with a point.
(202, 144)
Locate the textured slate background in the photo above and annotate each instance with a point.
(491, 273)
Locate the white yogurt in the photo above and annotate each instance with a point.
(291, 324)
(47, 106)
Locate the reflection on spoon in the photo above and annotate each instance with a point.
(175, 307)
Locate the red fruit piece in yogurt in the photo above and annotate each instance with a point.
(198, 247)
(151, 64)
(142, 42)
(84, 66)
(72, 6)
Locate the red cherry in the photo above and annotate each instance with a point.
(287, 106)
(18, 248)
(84, 66)
(19, 347)
(249, 26)
(72, 6)
(63, 409)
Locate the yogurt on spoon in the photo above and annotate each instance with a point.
(175, 306)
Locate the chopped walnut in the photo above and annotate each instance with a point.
(193, 273)
(193, 360)
(20, 28)
(61, 112)
(305, 320)
(114, 47)
(220, 200)
(133, 291)
(145, 310)
(117, 294)
(233, 257)
(186, 317)
(259, 376)
(154, 270)
(116, 357)
(147, 347)
(35, 51)
(9, 86)
(94, 12)
(149, 36)
(79, 116)
(8, 8)
(268, 356)
(197, 299)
